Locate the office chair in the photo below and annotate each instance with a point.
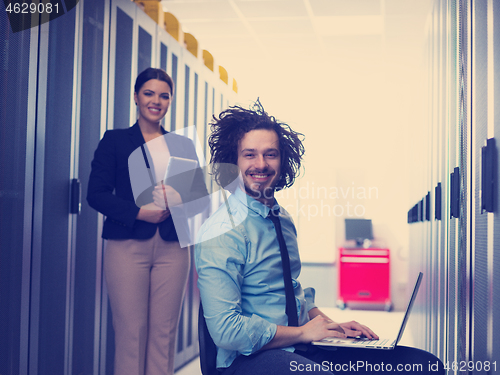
(208, 350)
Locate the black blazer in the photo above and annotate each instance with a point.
(110, 192)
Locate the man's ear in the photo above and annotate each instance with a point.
(281, 183)
(135, 98)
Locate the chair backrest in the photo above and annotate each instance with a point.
(208, 350)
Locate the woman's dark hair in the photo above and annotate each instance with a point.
(153, 73)
(230, 127)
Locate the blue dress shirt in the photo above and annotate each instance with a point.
(240, 277)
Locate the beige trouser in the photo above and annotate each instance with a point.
(146, 280)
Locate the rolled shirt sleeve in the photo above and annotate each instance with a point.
(309, 294)
(240, 277)
(220, 264)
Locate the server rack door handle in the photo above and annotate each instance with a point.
(455, 193)
(428, 206)
(437, 202)
(489, 175)
(76, 197)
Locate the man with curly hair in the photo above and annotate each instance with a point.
(247, 250)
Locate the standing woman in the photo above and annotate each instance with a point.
(145, 268)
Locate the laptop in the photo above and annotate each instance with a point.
(386, 344)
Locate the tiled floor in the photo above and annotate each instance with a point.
(385, 324)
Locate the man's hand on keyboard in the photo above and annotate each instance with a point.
(355, 329)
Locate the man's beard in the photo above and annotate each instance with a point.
(268, 192)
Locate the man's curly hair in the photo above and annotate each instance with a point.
(231, 126)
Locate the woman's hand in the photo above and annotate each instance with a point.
(165, 196)
(152, 213)
(354, 329)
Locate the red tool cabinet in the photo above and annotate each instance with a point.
(364, 277)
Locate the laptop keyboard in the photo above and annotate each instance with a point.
(366, 342)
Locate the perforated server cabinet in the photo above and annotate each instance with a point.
(364, 278)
